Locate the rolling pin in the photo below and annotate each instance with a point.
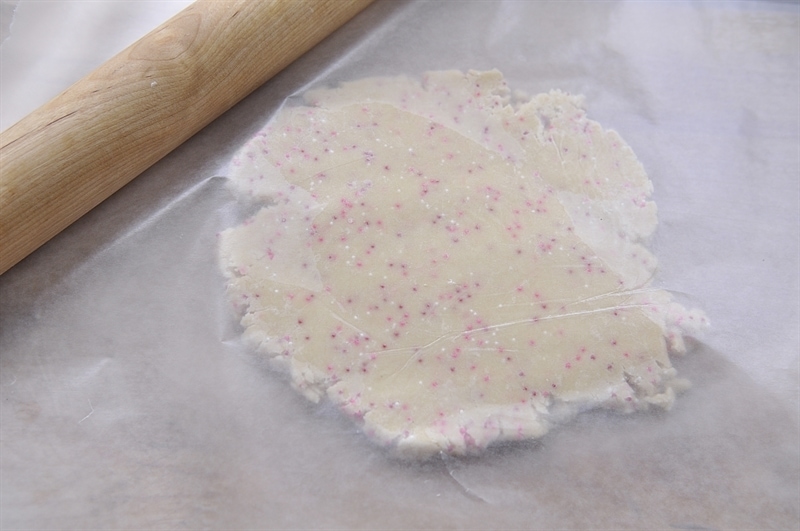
(69, 155)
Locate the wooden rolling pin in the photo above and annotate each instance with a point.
(66, 157)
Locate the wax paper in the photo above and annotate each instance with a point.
(130, 402)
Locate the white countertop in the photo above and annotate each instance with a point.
(127, 401)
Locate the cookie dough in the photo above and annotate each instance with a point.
(450, 266)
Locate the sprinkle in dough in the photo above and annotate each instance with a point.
(450, 268)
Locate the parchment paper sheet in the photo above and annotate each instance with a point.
(127, 401)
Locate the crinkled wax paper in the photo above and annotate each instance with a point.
(130, 401)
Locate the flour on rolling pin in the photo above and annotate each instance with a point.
(450, 267)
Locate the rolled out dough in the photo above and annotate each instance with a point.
(450, 267)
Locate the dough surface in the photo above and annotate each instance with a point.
(450, 267)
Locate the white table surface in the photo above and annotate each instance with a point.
(127, 402)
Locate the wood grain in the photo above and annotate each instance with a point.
(66, 157)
